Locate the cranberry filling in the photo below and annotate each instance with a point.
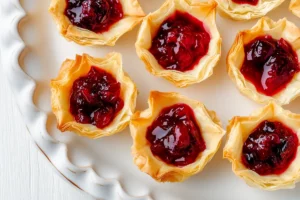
(175, 136)
(180, 43)
(270, 149)
(269, 64)
(95, 98)
(94, 15)
(250, 2)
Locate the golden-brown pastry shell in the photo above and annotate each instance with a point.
(133, 14)
(238, 131)
(205, 12)
(265, 26)
(246, 11)
(209, 125)
(61, 88)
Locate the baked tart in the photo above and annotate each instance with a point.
(180, 41)
(247, 9)
(295, 7)
(93, 97)
(95, 22)
(264, 148)
(175, 137)
(264, 61)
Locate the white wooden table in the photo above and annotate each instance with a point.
(25, 174)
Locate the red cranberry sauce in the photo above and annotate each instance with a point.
(180, 43)
(269, 64)
(95, 98)
(250, 2)
(94, 15)
(270, 148)
(175, 136)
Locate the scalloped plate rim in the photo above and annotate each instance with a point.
(12, 47)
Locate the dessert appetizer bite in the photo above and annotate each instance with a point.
(175, 137)
(246, 9)
(95, 22)
(264, 148)
(93, 97)
(295, 7)
(180, 41)
(264, 61)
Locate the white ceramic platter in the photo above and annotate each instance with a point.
(104, 167)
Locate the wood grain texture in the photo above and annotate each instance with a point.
(25, 173)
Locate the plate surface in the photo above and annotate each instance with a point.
(104, 167)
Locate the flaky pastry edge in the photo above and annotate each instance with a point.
(295, 7)
(235, 11)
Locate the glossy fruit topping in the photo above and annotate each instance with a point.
(250, 2)
(95, 98)
(180, 43)
(270, 148)
(269, 64)
(175, 136)
(94, 15)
